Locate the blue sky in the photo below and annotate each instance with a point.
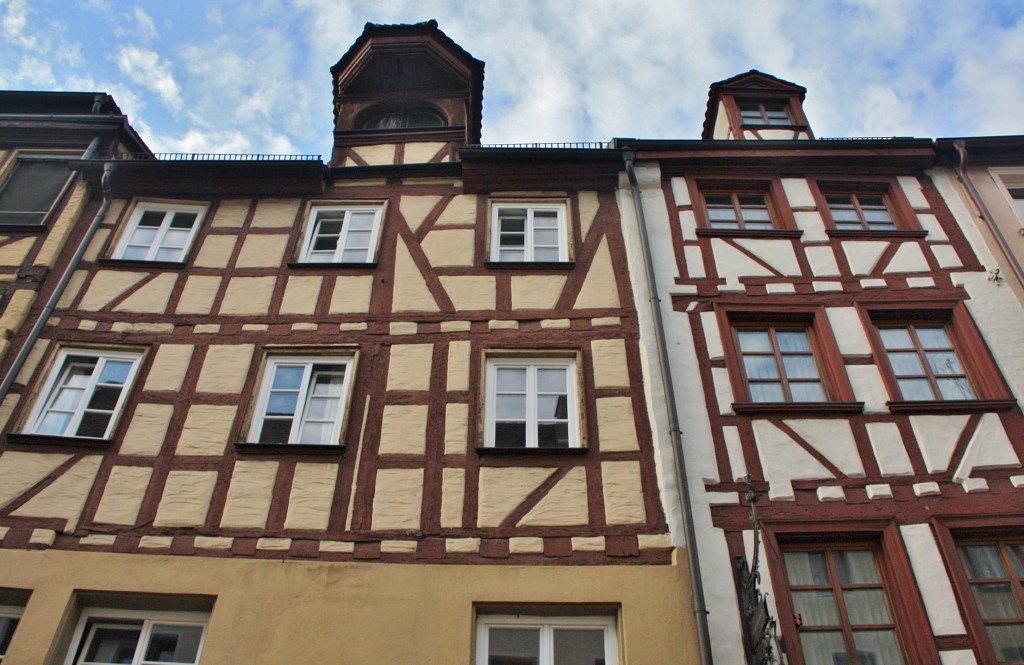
(252, 75)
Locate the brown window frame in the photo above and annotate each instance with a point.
(991, 392)
(829, 362)
(903, 217)
(782, 220)
(908, 614)
(1014, 580)
(762, 109)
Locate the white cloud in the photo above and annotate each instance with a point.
(149, 70)
(145, 27)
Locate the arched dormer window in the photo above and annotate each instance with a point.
(418, 117)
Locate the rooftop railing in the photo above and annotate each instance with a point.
(579, 145)
(215, 157)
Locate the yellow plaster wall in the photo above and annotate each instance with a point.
(599, 290)
(301, 294)
(312, 493)
(231, 213)
(623, 495)
(216, 251)
(262, 251)
(449, 247)
(461, 210)
(225, 368)
(453, 491)
(367, 612)
(610, 369)
(199, 294)
(65, 497)
(275, 213)
(351, 294)
(565, 504)
(17, 309)
(206, 430)
(458, 365)
(123, 494)
(107, 285)
(58, 233)
(616, 428)
(421, 153)
(409, 368)
(503, 489)
(416, 208)
(145, 435)
(470, 293)
(403, 430)
(376, 155)
(456, 423)
(410, 289)
(249, 494)
(99, 241)
(397, 499)
(248, 295)
(536, 291)
(186, 498)
(588, 204)
(15, 253)
(152, 297)
(20, 471)
(169, 367)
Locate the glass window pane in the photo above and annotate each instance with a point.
(104, 398)
(793, 341)
(322, 408)
(112, 644)
(174, 644)
(822, 648)
(328, 384)
(553, 435)
(361, 221)
(546, 254)
(152, 219)
(800, 367)
(183, 220)
(275, 431)
(766, 392)
(1016, 551)
(115, 371)
(906, 363)
(809, 391)
(915, 389)
(355, 256)
(997, 601)
(761, 367)
(816, 608)
(551, 380)
(1007, 642)
(982, 562)
(513, 645)
(857, 567)
(316, 433)
(510, 407)
(755, 341)
(551, 407)
(933, 338)
(325, 244)
(511, 379)
(357, 240)
(944, 363)
(866, 606)
(806, 568)
(93, 425)
(143, 236)
(288, 377)
(68, 399)
(877, 647)
(54, 422)
(510, 435)
(510, 240)
(578, 646)
(282, 403)
(955, 389)
(7, 626)
(165, 254)
(514, 256)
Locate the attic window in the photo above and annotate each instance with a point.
(772, 114)
(404, 119)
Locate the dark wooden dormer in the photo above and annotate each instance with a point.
(756, 106)
(402, 84)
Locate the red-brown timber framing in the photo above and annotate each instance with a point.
(840, 284)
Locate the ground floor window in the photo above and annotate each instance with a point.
(546, 640)
(106, 637)
(995, 572)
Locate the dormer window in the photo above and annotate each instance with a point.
(768, 114)
(403, 119)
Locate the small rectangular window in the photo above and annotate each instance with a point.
(771, 114)
(995, 572)
(779, 364)
(84, 394)
(841, 607)
(31, 191)
(302, 401)
(342, 235)
(860, 212)
(160, 233)
(529, 233)
(546, 640)
(925, 363)
(738, 210)
(9, 618)
(105, 637)
(531, 403)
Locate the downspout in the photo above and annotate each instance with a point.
(700, 612)
(979, 203)
(58, 291)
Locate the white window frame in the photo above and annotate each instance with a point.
(91, 616)
(169, 210)
(303, 398)
(313, 227)
(48, 395)
(9, 612)
(546, 625)
(529, 244)
(531, 364)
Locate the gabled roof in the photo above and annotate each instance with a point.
(753, 81)
(439, 63)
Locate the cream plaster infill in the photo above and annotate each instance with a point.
(311, 496)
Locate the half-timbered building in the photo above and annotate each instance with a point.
(842, 366)
(383, 409)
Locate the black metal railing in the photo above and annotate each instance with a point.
(214, 157)
(578, 145)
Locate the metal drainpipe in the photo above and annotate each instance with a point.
(700, 612)
(979, 203)
(51, 304)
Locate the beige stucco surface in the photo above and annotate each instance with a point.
(123, 495)
(456, 422)
(301, 294)
(186, 498)
(565, 504)
(411, 293)
(375, 155)
(351, 294)
(20, 471)
(453, 491)
(588, 204)
(460, 210)
(169, 367)
(146, 432)
(65, 497)
(262, 251)
(600, 288)
(225, 368)
(59, 230)
(610, 369)
(417, 153)
(369, 612)
(151, 297)
(216, 251)
(199, 294)
(248, 295)
(231, 213)
(403, 430)
(470, 292)
(458, 365)
(616, 428)
(623, 498)
(410, 367)
(449, 247)
(309, 503)
(249, 495)
(416, 208)
(206, 430)
(274, 213)
(503, 489)
(107, 285)
(14, 252)
(536, 291)
(397, 499)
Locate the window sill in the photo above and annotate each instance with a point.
(54, 441)
(796, 408)
(749, 233)
(247, 448)
(877, 235)
(304, 265)
(530, 265)
(491, 450)
(950, 406)
(138, 263)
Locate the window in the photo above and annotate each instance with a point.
(773, 114)
(529, 233)
(779, 365)
(31, 190)
(160, 233)
(9, 617)
(404, 119)
(841, 607)
(302, 401)
(84, 394)
(736, 210)
(995, 572)
(547, 640)
(924, 362)
(860, 212)
(531, 403)
(105, 637)
(342, 235)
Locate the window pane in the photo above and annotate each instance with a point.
(955, 389)
(915, 389)
(821, 648)
(288, 377)
(54, 422)
(766, 392)
(511, 379)
(510, 407)
(578, 646)
(810, 391)
(354, 256)
(184, 220)
(93, 425)
(877, 647)
(550, 407)
(104, 398)
(866, 606)
(282, 403)
(755, 341)
(513, 646)
(933, 338)
(761, 367)
(361, 221)
(316, 433)
(174, 644)
(328, 384)
(551, 380)
(30, 191)
(944, 363)
(1017, 558)
(553, 435)
(275, 431)
(1007, 642)
(510, 435)
(997, 601)
(800, 367)
(906, 363)
(168, 255)
(546, 254)
(512, 255)
(806, 568)
(982, 562)
(115, 371)
(793, 341)
(151, 219)
(816, 608)
(857, 567)
(110, 644)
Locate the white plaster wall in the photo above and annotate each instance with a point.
(798, 192)
(932, 580)
(848, 331)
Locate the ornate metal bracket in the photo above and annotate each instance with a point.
(758, 621)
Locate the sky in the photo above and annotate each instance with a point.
(253, 75)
